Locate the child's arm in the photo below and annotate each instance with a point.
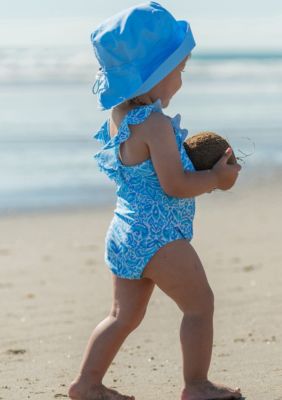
(160, 139)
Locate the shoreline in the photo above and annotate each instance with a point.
(106, 195)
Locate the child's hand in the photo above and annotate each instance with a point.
(226, 173)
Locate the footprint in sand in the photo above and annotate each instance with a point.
(267, 341)
(6, 387)
(16, 351)
(237, 340)
(248, 268)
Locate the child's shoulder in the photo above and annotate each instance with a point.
(145, 121)
(156, 124)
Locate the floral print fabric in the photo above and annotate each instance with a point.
(145, 217)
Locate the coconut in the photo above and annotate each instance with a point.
(205, 149)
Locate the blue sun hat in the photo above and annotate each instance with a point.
(136, 49)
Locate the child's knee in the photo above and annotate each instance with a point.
(209, 301)
(202, 306)
(128, 321)
(206, 304)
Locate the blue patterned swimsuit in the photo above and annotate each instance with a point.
(145, 217)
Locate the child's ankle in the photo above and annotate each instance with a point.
(196, 381)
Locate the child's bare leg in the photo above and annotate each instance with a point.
(108, 336)
(178, 271)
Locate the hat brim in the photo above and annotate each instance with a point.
(165, 68)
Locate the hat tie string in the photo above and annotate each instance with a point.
(98, 82)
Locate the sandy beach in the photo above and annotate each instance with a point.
(55, 287)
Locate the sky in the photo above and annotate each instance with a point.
(216, 24)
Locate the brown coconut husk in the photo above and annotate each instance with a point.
(205, 149)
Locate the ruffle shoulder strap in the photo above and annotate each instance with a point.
(107, 157)
(182, 132)
(102, 134)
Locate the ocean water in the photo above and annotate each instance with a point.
(48, 116)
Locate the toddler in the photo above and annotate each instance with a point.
(142, 52)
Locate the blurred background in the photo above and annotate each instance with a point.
(48, 114)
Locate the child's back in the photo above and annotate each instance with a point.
(146, 218)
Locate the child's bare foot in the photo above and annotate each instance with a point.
(209, 391)
(95, 392)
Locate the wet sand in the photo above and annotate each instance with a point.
(55, 287)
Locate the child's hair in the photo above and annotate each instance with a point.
(135, 101)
